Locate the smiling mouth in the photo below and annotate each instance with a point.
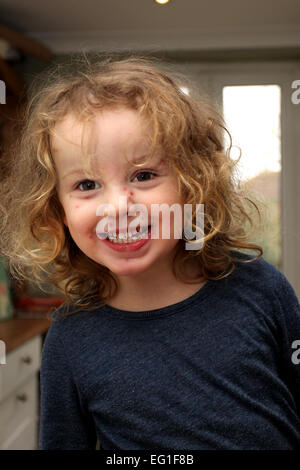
(127, 237)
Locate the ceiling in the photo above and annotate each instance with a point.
(70, 25)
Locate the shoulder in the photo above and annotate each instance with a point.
(262, 274)
(256, 281)
(264, 284)
(69, 321)
(250, 264)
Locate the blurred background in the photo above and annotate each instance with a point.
(244, 56)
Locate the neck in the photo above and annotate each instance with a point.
(155, 289)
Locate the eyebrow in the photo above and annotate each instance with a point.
(73, 172)
(136, 160)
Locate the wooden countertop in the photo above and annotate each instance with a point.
(23, 327)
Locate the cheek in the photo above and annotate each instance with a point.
(80, 217)
(170, 196)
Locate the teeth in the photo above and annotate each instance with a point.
(125, 238)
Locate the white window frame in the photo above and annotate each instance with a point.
(212, 77)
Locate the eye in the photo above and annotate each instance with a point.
(147, 173)
(86, 185)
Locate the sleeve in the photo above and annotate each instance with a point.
(65, 423)
(289, 309)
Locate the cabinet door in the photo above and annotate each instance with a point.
(18, 418)
(21, 363)
(24, 437)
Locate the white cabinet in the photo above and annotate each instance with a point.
(19, 401)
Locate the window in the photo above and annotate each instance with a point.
(252, 115)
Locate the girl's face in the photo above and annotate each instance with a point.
(115, 133)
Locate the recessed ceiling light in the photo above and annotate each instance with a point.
(162, 2)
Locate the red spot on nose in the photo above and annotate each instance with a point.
(131, 193)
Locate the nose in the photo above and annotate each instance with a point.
(116, 208)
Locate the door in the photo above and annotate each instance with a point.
(256, 100)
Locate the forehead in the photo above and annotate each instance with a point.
(112, 137)
(108, 128)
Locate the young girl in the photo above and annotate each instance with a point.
(157, 346)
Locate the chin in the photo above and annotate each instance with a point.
(129, 267)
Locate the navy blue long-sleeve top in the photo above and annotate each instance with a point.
(218, 370)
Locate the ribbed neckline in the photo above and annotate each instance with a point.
(198, 296)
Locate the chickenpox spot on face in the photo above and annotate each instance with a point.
(77, 206)
(131, 193)
(124, 189)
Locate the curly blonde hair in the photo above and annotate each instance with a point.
(188, 128)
